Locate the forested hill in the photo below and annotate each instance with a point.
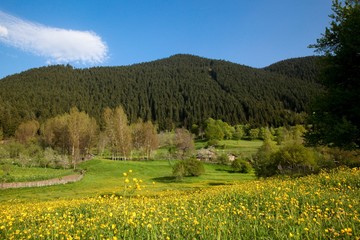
(177, 91)
(305, 68)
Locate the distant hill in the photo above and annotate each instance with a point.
(177, 91)
(305, 68)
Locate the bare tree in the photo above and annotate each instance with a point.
(118, 132)
(145, 137)
(184, 142)
(56, 134)
(73, 133)
(27, 131)
(82, 130)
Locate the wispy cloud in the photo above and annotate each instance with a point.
(55, 44)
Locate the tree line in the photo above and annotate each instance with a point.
(75, 136)
(66, 140)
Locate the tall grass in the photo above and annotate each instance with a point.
(324, 206)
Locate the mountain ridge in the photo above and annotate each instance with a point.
(177, 91)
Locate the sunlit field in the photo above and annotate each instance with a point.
(324, 206)
(26, 174)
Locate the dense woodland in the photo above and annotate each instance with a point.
(174, 92)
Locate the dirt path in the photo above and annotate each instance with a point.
(49, 182)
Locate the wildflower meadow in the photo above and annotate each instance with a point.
(324, 206)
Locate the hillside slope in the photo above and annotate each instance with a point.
(177, 91)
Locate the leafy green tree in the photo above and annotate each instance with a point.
(335, 116)
(265, 134)
(189, 167)
(213, 130)
(227, 129)
(262, 162)
(254, 133)
(282, 135)
(239, 132)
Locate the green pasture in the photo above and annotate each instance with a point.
(104, 177)
(13, 173)
(240, 148)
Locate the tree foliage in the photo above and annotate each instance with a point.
(144, 137)
(335, 116)
(290, 157)
(174, 92)
(71, 133)
(241, 166)
(27, 131)
(118, 131)
(188, 167)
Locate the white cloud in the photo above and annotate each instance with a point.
(3, 31)
(56, 44)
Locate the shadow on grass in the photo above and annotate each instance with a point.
(218, 184)
(225, 170)
(166, 179)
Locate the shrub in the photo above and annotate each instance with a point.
(241, 166)
(4, 154)
(14, 149)
(290, 159)
(212, 143)
(188, 167)
(263, 165)
(295, 159)
(334, 157)
(223, 159)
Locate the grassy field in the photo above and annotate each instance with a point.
(324, 206)
(105, 177)
(141, 200)
(25, 174)
(241, 148)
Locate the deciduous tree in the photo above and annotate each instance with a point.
(144, 137)
(118, 131)
(27, 131)
(73, 133)
(184, 142)
(82, 130)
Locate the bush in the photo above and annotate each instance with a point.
(291, 159)
(263, 165)
(223, 159)
(295, 159)
(212, 143)
(335, 157)
(188, 167)
(241, 166)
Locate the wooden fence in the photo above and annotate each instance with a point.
(49, 182)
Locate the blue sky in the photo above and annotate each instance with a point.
(89, 33)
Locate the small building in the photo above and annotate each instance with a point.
(206, 154)
(232, 157)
